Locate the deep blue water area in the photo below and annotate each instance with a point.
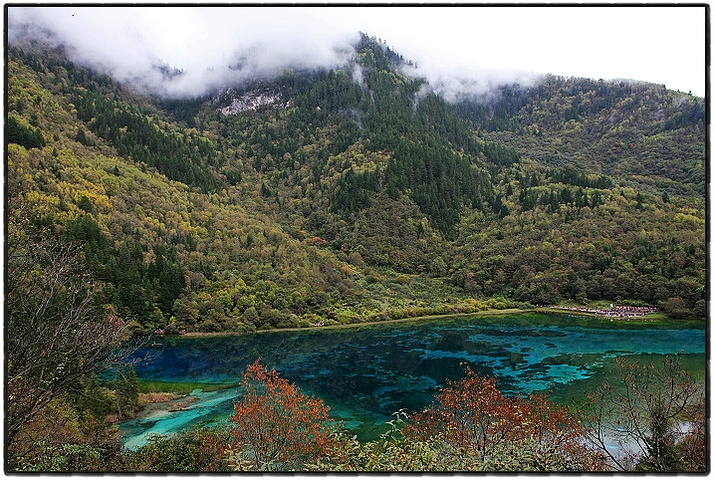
(366, 373)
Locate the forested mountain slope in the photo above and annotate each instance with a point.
(356, 194)
(642, 134)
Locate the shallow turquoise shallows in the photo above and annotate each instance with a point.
(365, 374)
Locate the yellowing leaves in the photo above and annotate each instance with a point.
(687, 220)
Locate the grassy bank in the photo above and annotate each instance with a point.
(658, 320)
(184, 388)
(507, 311)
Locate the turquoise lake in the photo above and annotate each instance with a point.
(367, 373)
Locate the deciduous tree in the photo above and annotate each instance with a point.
(56, 334)
(473, 416)
(275, 426)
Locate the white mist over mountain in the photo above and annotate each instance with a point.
(458, 49)
(210, 47)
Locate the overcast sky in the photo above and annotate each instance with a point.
(664, 45)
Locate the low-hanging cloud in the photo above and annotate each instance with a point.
(188, 52)
(455, 82)
(214, 46)
(152, 49)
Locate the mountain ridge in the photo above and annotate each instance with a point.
(359, 200)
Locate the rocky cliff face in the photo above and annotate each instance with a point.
(253, 100)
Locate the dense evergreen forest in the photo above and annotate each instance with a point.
(337, 196)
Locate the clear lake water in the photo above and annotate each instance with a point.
(367, 373)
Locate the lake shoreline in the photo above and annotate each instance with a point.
(482, 313)
(508, 311)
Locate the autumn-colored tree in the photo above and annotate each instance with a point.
(473, 416)
(277, 427)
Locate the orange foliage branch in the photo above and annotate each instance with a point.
(473, 416)
(277, 427)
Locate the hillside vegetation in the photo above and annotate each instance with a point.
(357, 194)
